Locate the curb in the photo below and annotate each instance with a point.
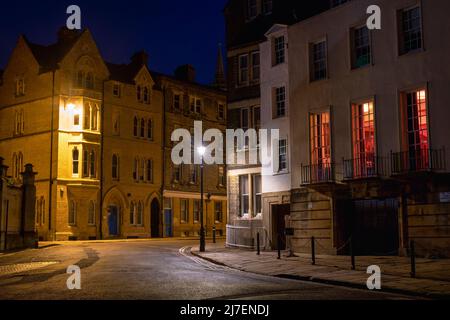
(436, 296)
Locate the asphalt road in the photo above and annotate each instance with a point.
(148, 270)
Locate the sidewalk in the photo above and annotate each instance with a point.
(432, 276)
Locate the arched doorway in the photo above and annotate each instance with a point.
(155, 219)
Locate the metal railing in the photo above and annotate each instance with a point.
(245, 237)
(369, 166)
(318, 173)
(417, 160)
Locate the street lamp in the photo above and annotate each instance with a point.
(201, 151)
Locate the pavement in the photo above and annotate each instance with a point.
(432, 275)
(151, 270)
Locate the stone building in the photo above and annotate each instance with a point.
(93, 130)
(186, 102)
(247, 22)
(369, 119)
(17, 210)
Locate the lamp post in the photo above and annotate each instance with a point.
(201, 151)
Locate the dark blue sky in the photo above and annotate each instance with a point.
(173, 32)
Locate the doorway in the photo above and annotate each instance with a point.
(279, 213)
(113, 220)
(155, 219)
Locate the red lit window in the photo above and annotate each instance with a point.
(320, 139)
(417, 129)
(363, 138)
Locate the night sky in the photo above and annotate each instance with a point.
(173, 32)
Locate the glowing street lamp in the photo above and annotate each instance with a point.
(201, 151)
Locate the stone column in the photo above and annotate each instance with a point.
(30, 237)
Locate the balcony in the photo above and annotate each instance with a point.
(418, 160)
(318, 173)
(369, 166)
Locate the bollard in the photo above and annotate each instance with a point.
(352, 254)
(313, 251)
(214, 234)
(413, 259)
(258, 250)
(279, 247)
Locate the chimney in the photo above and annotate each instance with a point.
(66, 35)
(140, 58)
(186, 73)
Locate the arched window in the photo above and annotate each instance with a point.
(89, 80)
(91, 213)
(85, 163)
(132, 213)
(150, 129)
(135, 169)
(115, 167)
(142, 128)
(149, 171)
(146, 96)
(72, 213)
(139, 93)
(142, 170)
(135, 127)
(92, 164)
(139, 214)
(75, 161)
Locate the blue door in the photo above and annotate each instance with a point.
(113, 219)
(168, 222)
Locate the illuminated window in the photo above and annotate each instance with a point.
(91, 213)
(184, 211)
(417, 129)
(318, 61)
(76, 119)
(363, 139)
(196, 211)
(410, 37)
(279, 46)
(320, 139)
(75, 161)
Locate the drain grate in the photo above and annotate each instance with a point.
(22, 267)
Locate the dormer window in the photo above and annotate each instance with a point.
(89, 80)
(139, 93)
(116, 90)
(146, 95)
(20, 87)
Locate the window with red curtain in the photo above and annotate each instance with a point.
(320, 138)
(363, 138)
(417, 129)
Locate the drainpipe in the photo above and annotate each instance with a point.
(102, 149)
(163, 158)
(50, 187)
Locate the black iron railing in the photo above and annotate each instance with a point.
(318, 173)
(416, 160)
(368, 166)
